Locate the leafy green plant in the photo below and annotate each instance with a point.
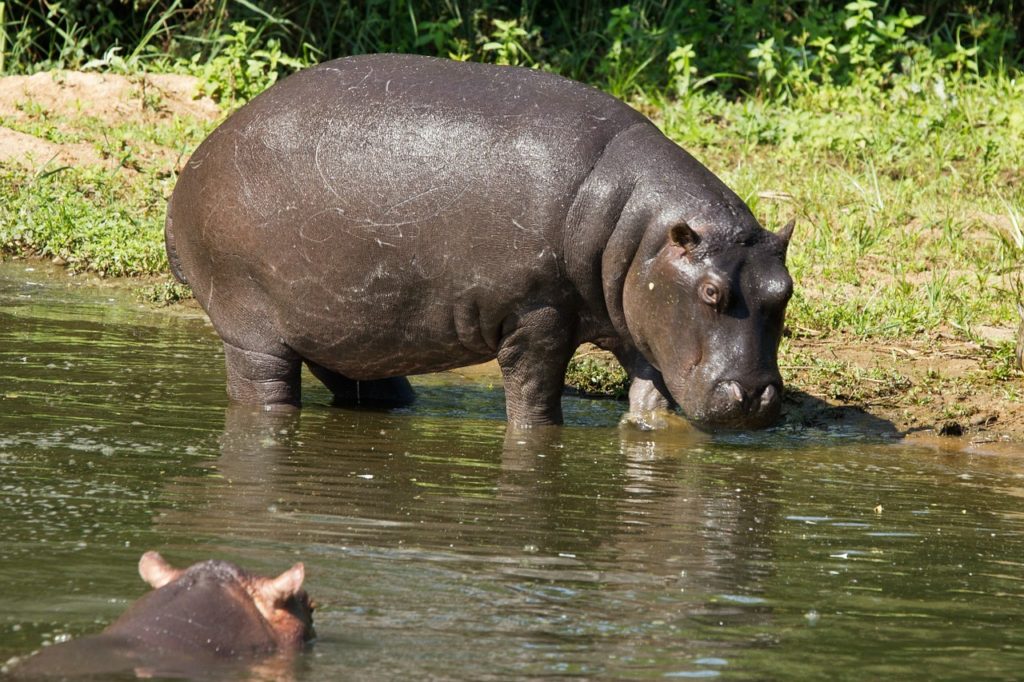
(766, 60)
(442, 36)
(874, 46)
(682, 71)
(632, 46)
(507, 44)
(244, 65)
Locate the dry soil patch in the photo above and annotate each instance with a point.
(68, 104)
(35, 152)
(109, 97)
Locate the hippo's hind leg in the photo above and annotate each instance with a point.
(262, 379)
(391, 392)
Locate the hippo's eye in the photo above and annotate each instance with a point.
(710, 294)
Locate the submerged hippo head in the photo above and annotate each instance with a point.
(197, 622)
(263, 614)
(708, 314)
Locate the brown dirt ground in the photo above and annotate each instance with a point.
(939, 391)
(111, 98)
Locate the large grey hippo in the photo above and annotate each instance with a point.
(387, 215)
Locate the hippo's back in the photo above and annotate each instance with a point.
(380, 142)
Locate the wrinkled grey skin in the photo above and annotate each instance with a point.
(387, 215)
(191, 627)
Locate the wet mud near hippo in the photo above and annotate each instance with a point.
(438, 545)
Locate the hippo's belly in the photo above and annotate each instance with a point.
(384, 326)
(434, 298)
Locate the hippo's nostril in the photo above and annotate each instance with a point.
(733, 390)
(732, 405)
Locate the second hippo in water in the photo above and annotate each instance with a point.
(386, 215)
(210, 615)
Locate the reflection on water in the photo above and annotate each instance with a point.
(440, 546)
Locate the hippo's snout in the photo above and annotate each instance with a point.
(732, 405)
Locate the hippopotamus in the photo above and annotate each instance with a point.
(385, 215)
(210, 614)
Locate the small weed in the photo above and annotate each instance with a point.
(1000, 362)
(844, 381)
(442, 35)
(633, 44)
(166, 293)
(507, 44)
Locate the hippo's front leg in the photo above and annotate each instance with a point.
(649, 399)
(533, 355)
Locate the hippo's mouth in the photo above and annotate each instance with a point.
(731, 405)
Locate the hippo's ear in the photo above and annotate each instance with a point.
(785, 233)
(683, 236)
(156, 571)
(284, 586)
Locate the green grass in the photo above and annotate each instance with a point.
(902, 200)
(102, 218)
(90, 218)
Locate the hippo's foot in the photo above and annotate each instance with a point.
(390, 392)
(653, 420)
(650, 405)
(261, 379)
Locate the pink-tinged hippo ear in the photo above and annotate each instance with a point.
(785, 233)
(156, 571)
(284, 586)
(683, 236)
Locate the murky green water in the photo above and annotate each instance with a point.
(440, 548)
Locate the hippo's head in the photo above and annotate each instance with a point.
(708, 314)
(234, 600)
